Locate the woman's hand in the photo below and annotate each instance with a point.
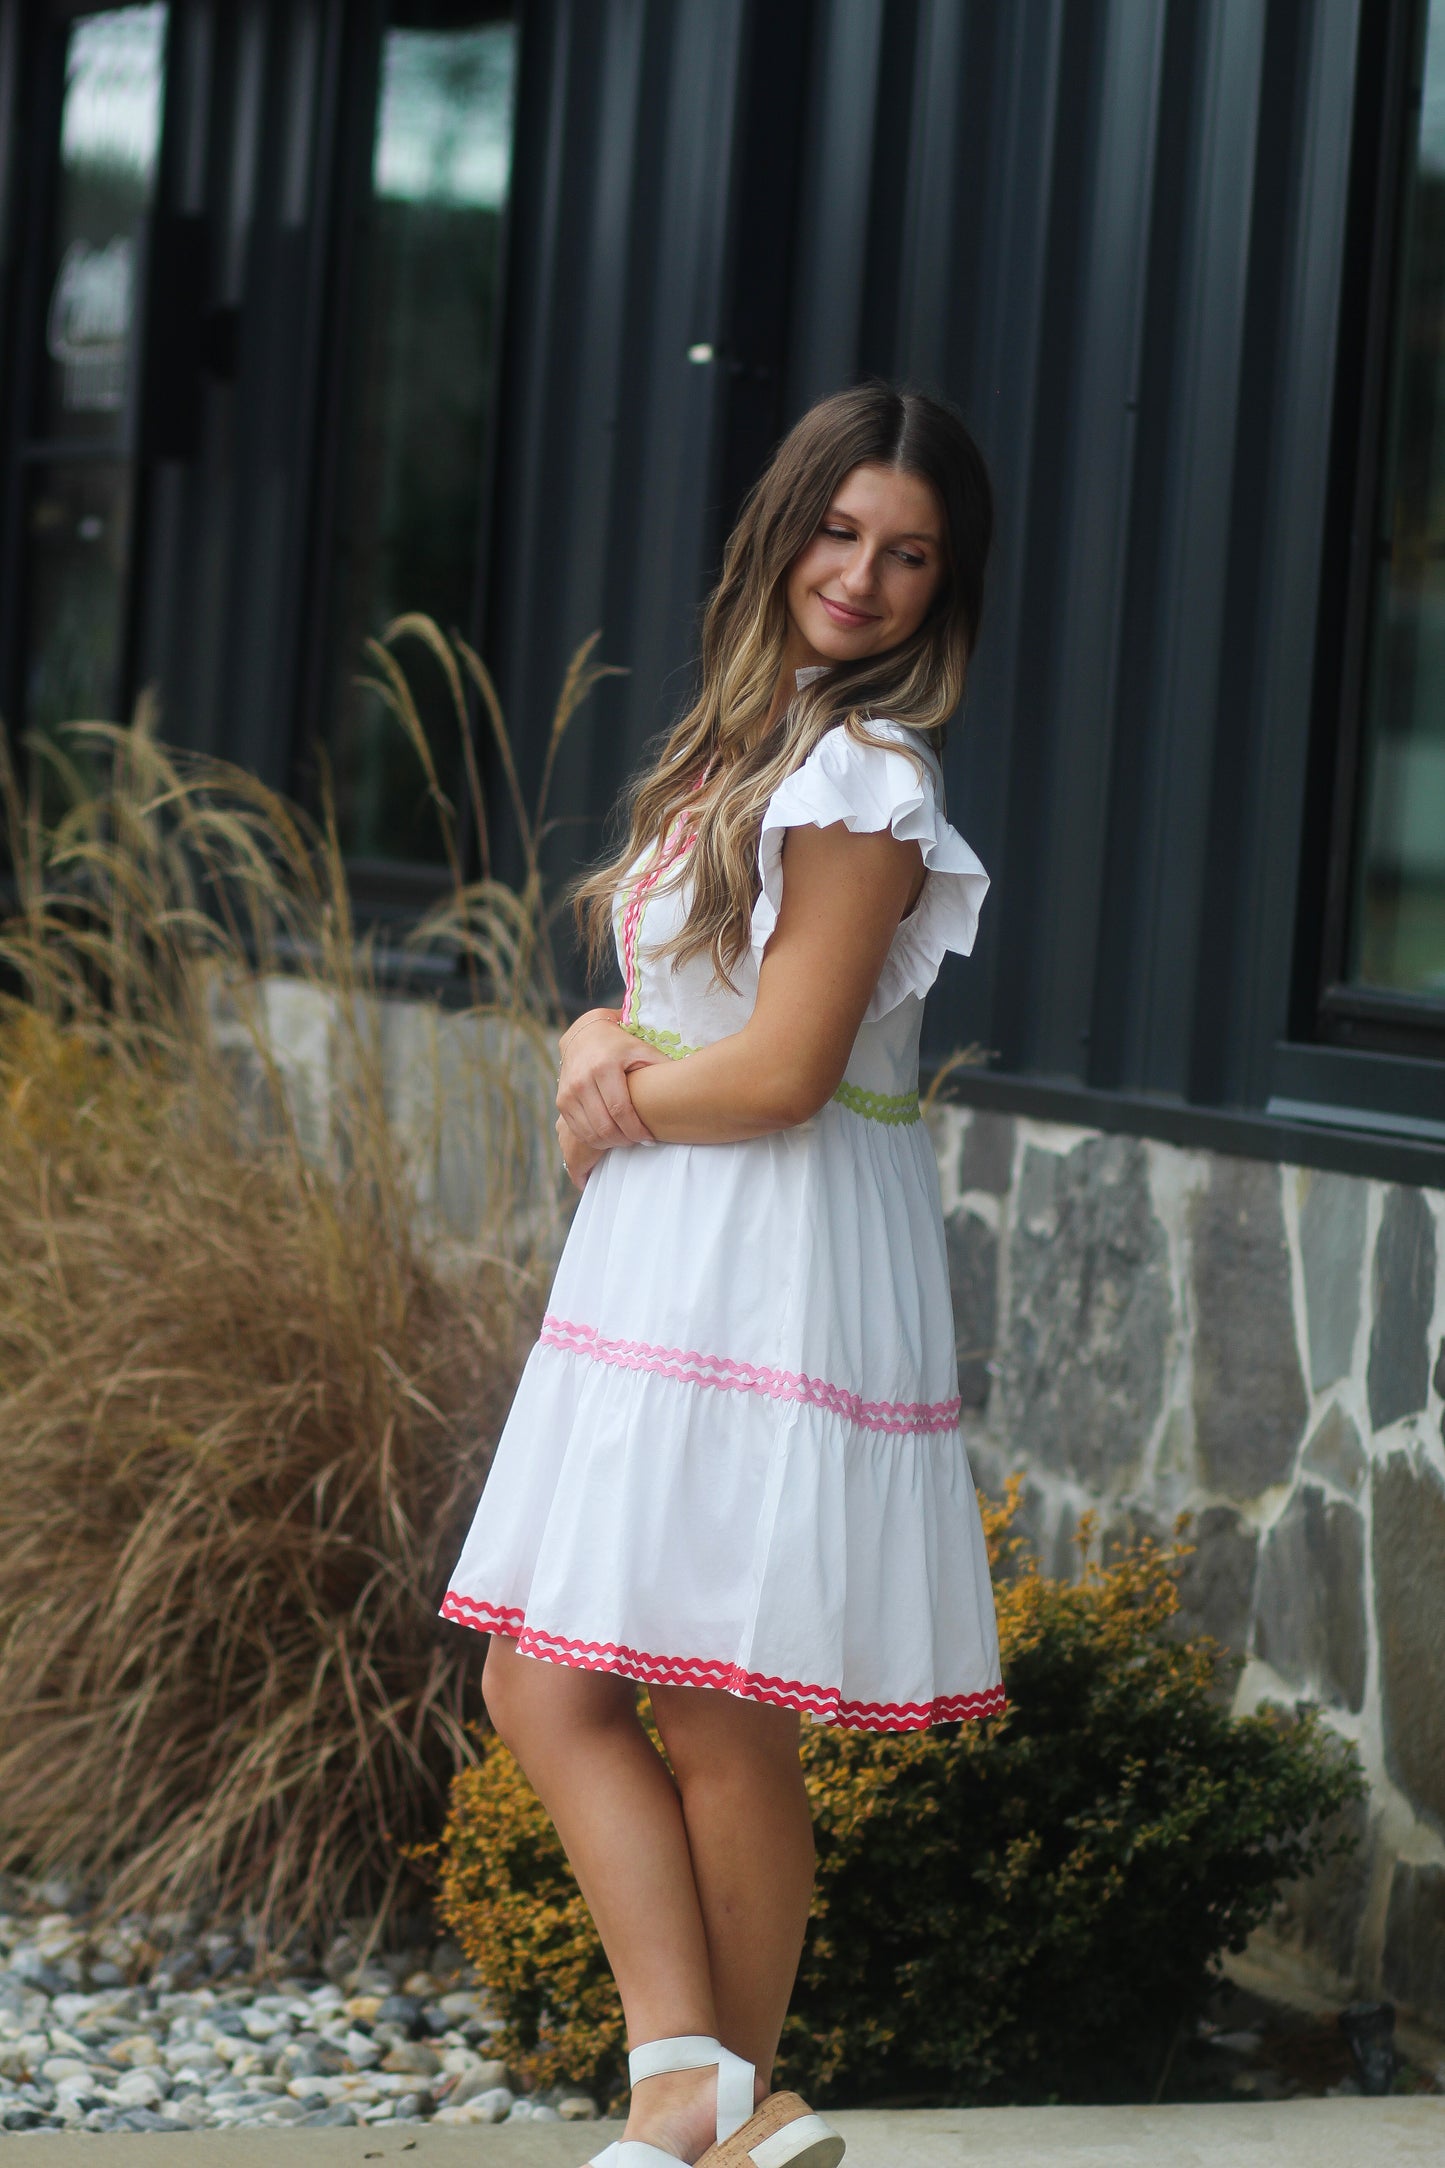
(578, 1158)
(593, 1098)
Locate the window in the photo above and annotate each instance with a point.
(421, 399)
(77, 456)
(1395, 943)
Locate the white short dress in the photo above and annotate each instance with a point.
(733, 1460)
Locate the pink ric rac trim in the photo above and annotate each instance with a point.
(691, 1368)
(823, 1702)
(632, 916)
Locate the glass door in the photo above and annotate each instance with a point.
(419, 398)
(103, 84)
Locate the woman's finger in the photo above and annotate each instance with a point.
(578, 1163)
(596, 1101)
(643, 1057)
(617, 1099)
(597, 1125)
(585, 1115)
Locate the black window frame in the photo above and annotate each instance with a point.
(386, 894)
(38, 63)
(1330, 1010)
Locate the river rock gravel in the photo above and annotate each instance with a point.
(160, 2023)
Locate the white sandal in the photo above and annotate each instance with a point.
(782, 2133)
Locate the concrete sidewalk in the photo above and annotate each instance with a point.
(1296, 2134)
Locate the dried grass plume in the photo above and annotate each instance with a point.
(256, 1335)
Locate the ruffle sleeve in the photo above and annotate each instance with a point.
(869, 787)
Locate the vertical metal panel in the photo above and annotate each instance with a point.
(673, 522)
(837, 119)
(762, 257)
(1106, 298)
(1302, 385)
(933, 255)
(627, 148)
(1003, 346)
(584, 187)
(1196, 541)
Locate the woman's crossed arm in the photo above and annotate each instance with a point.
(843, 897)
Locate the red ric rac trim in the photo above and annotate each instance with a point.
(690, 1367)
(823, 1702)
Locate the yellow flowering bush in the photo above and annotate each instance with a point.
(1024, 1909)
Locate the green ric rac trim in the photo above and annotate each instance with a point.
(666, 1042)
(896, 1111)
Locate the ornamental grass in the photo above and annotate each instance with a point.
(271, 1262)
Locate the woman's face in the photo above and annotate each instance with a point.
(865, 581)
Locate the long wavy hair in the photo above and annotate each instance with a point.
(720, 764)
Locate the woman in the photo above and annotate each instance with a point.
(733, 1468)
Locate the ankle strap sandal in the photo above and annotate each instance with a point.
(782, 2133)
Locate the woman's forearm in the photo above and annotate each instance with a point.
(727, 1092)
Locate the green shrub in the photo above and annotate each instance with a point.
(1027, 1909)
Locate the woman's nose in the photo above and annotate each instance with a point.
(861, 572)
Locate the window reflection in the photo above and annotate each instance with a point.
(78, 456)
(109, 141)
(1399, 907)
(440, 169)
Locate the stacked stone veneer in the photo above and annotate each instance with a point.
(1144, 1331)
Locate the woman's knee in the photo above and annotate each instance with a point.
(504, 1690)
(531, 1703)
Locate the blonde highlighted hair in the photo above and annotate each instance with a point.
(719, 765)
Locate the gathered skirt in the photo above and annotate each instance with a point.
(733, 1460)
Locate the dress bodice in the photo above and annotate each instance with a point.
(679, 1007)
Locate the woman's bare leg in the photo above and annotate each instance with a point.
(664, 1921)
(750, 1833)
(616, 1809)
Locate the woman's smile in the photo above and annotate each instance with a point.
(845, 613)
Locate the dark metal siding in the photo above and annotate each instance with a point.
(1112, 231)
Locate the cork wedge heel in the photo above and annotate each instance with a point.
(782, 2133)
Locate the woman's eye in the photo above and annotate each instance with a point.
(838, 534)
(910, 557)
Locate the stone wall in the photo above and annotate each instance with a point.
(1141, 1331)
(1144, 1330)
